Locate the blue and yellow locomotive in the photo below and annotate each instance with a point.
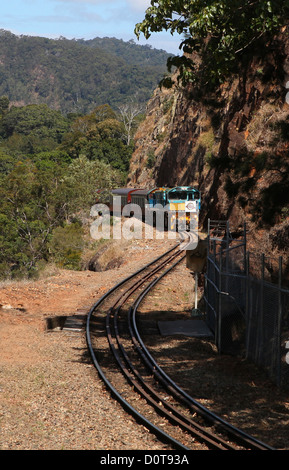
(184, 204)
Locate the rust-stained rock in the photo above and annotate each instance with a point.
(233, 145)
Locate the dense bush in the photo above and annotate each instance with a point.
(51, 167)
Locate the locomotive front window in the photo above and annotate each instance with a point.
(193, 196)
(183, 195)
(178, 195)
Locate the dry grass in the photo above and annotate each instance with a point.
(261, 131)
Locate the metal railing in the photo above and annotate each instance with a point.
(247, 308)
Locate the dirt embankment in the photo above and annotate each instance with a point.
(51, 396)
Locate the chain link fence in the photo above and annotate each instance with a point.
(247, 306)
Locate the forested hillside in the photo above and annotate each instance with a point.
(68, 113)
(51, 167)
(77, 75)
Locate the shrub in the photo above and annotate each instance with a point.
(66, 246)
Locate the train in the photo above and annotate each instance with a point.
(175, 208)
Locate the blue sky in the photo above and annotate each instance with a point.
(85, 19)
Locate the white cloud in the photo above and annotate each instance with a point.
(139, 5)
(83, 2)
(136, 5)
(82, 19)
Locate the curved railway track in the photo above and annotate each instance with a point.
(134, 378)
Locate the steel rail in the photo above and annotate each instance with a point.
(139, 417)
(237, 433)
(135, 286)
(137, 381)
(152, 397)
(155, 399)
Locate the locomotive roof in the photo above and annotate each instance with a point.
(145, 192)
(183, 188)
(142, 192)
(123, 190)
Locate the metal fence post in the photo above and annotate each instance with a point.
(245, 247)
(214, 281)
(279, 323)
(261, 315)
(208, 268)
(247, 305)
(220, 306)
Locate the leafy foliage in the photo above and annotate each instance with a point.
(37, 120)
(99, 136)
(218, 34)
(66, 245)
(51, 168)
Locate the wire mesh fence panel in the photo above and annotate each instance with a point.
(232, 314)
(284, 348)
(211, 294)
(247, 308)
(262, 338)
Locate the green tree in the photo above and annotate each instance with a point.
(36, 121)
(218, 34)
(31, 206)
(82, 180)
(99, 135)
(4, 105)
(7, 162)
(66, 245)
(45, 185)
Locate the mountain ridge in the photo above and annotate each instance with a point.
(76, 75)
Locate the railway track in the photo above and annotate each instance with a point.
(134, 378)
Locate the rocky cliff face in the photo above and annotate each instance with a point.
(232, 144)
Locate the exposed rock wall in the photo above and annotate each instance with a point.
(232, 144)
